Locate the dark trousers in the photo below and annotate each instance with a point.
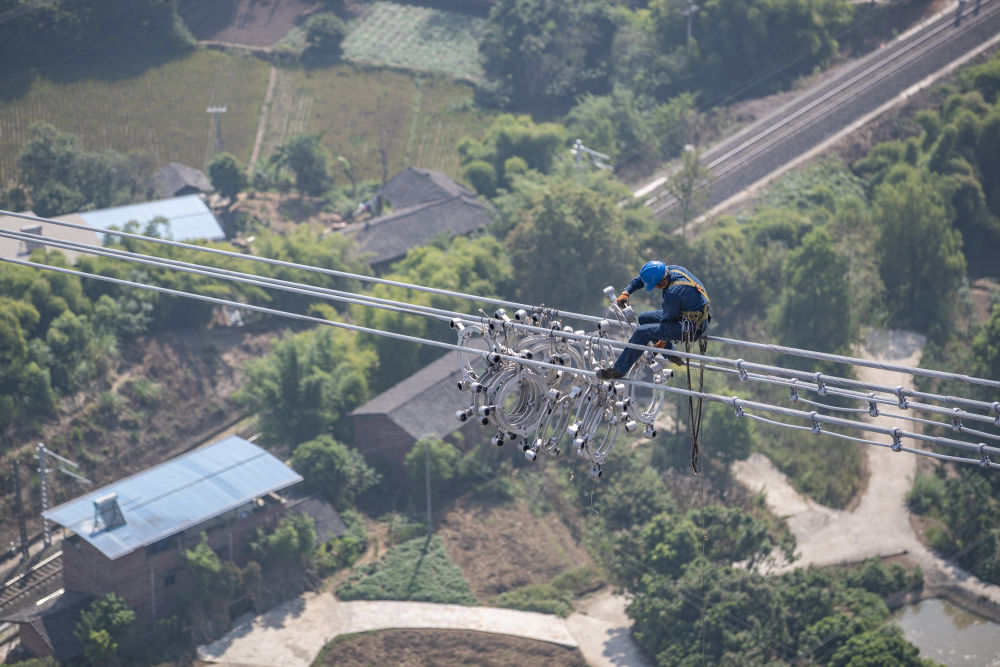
(652, 327)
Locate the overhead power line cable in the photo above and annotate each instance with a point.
(810, 354)
(741, 367)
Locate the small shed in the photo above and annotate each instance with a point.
(177, 180)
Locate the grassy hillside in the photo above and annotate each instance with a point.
(155, 109)
(415, 120)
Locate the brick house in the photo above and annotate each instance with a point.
(129, 537)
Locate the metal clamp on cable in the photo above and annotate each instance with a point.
(996, 413)
(872, 405)
(743, 373)
(737, 407)
(901, 394)
(793, 391)
(815, 423)
(820, 386)
(897, 445)
(984, 458)
(956, 419)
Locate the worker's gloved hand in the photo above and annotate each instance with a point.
(622, 300)
(660, 344)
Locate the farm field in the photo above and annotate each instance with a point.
(414, 120)
(160, 112)
(417, 38)
(154, 109)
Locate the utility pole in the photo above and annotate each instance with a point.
(216, 110)
(43, 475)
(427, 477)
(19, 508)
(689, 13)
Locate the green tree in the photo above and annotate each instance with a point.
(325, 33)
(540, 54)
(214, 580)
(443, 461)
(920, 254)
(309, 160)
(510, 136)
(103, 628)
(813, 311)
(690, 186)
(291, 542)
(334, 470)
(476, 266)
(306, 384)
(884, 646)
(227, 175)
(567, 245)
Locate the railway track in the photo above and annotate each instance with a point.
(840, 100)
(29, 587)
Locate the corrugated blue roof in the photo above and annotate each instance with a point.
(190, 219)
(176, 494)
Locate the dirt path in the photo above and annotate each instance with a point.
(879, 525)
(294, 633)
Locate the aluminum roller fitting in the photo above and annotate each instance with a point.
(497, 441)
(629, 313)
(650, 431)
(595, 472)
(539, 389)
(530, 454)
(609, 292)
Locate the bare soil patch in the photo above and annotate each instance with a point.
(248, 22)
(282, 213)
(502, 547)
(445, 648)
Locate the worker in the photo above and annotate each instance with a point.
(683, 316)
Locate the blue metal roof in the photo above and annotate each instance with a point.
(190, 219)
(175, 495)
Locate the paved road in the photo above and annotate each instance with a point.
(293, 634)
(841, 99)
(879, 525)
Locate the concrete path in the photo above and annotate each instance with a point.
(879, 526)
(292, 634)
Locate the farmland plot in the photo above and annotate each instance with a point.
(159, 112)
(365, 115)
(417, 38)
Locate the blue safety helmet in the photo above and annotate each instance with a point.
(652, 273)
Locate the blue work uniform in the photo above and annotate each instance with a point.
(679, 297)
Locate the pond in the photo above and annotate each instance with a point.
(950, 635)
